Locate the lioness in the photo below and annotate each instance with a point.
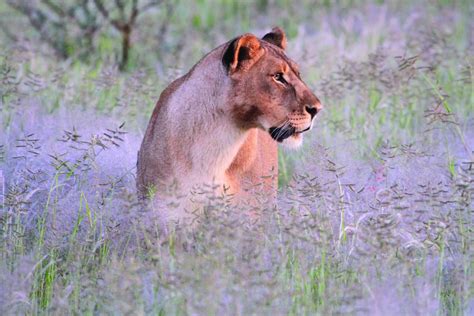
(220, 123)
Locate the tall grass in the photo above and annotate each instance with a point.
(374, 215)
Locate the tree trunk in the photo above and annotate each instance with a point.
(126, 33)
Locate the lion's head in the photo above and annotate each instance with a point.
(267, 89)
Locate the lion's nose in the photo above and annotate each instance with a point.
(312, 111)
(314, 108)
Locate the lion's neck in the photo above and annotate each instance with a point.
(216, 150)
(208, 139)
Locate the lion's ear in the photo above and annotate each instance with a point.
(276, 37)
(242, 53)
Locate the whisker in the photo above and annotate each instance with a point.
(280, 127)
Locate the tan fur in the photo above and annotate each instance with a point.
(212, 125)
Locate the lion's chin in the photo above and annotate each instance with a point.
(294, 141)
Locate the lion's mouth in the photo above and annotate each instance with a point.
(281, 133)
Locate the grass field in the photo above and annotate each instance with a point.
(375, 212)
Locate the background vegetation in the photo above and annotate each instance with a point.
(375, 214)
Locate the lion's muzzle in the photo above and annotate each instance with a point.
(298, 122)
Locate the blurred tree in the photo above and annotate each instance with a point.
(64, 27)
(122, 15)
(69, 27)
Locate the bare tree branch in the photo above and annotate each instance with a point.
(54, 7)
(170, 6)
(134, 13)
(121, 8)
(38, 20)
(6, 31)
(149, 5)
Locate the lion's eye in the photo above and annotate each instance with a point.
(279, 77)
